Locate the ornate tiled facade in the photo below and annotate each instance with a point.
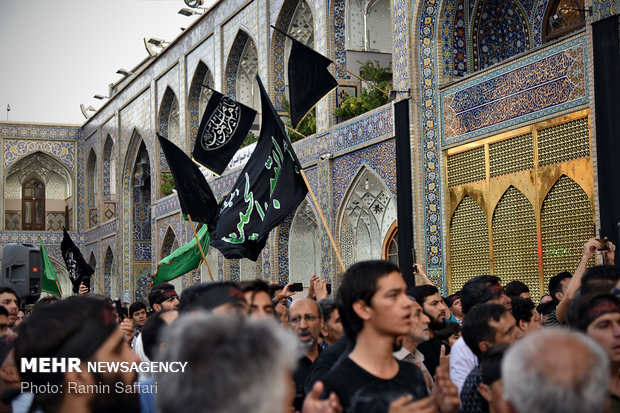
(466, 84)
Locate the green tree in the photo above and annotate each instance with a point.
(370, 98)
(167, 183)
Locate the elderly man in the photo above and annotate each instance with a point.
(555, 371)
(306, 320)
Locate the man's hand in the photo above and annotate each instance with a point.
(312, 288)
(405, 405)
(312, 403)
(609, 256)
(590, 248)
(320, 289)
(444, 391)
(83, 289)
(127, 329)
(285, 293)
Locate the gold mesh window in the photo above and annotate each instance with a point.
(466, 167)
(469, 243)
(514, 241)
(511, 155)
(566, 221)
(564, 142)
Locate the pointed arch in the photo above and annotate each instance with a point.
(198, 98)
(571, 17)
(241, 70)
(365, 217)
(468, 226)
(57, 182)
(109, 170)
(92, 261)
(304, 244)
(136, 213)
(297, 19)
(110, 280)
(33, 204)
(564, 230)
(500, 31)
(515, 252)
(91, 189)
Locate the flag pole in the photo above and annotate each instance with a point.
(199, 245)
(98, 285)
(323, 220)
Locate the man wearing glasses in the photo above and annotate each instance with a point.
(306, 320)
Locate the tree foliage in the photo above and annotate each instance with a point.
(370, 97)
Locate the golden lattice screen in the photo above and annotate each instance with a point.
(521, 203)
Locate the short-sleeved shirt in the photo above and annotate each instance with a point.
(360, 391)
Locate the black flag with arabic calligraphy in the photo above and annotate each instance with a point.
(223, 127)
(269, 187)
(78, 268)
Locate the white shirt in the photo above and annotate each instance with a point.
(462, 361)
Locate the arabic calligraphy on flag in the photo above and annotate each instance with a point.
(267, 190)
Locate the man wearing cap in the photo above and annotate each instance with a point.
(598, 316)
(79, 327)
(478, 290)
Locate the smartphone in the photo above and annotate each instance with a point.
(329, 288)
(604, 244)
(296, 287)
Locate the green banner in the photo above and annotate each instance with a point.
(49, 279)
(184, 259)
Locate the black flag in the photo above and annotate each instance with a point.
(79, 270)
(268, 189)
(195, 195)
(308, 78)
(223, 127)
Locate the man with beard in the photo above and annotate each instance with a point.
(9, 300)
(79, 327)
(434, 307)
(306, 320)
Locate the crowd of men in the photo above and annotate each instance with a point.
(376, 347)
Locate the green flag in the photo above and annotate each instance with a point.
(184, 259)
(49, 279)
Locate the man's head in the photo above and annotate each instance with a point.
(80, 327)
(152, 337)
(526, 316)
(257, 295)
(237, 356)
(487, 325)
(491, 388)
(517, 288)
(599, 317)
(361, 283)
(163, 297)
(483, 289)
(333, 324)
(600, 279)
(419, 331)
(137, 313)
(9, 300)
(215, 297)
(555, 370)
(432, 304)
(454, 304)
(558, 284)
(306, 319)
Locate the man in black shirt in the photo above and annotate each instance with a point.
(375, 311)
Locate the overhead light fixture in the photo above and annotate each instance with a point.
(392, 93)
(86, 110)
(150, 43)
(556, 20)
(366, 185)
(189, 12)
(124, 72)
(194, 3)
(101, 97)
(587, 10)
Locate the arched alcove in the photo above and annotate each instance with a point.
(304, 245)
(198, 98)
(241, 70)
